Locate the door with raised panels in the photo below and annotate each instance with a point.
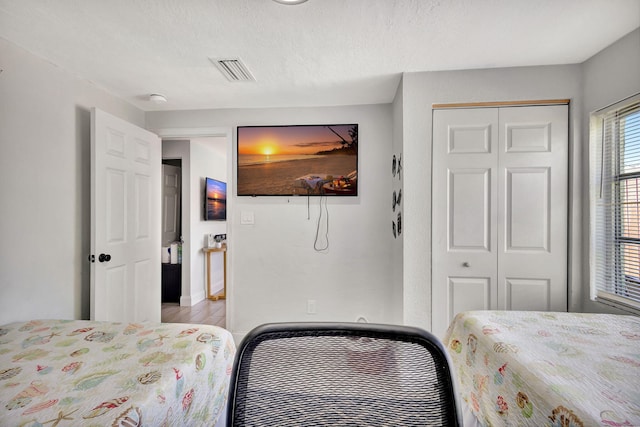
(125, 220)
(533, 208)
(464, 245)
(171, 186)
(499, 210)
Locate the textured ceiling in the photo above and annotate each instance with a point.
(322, 52)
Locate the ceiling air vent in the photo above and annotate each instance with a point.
(234, 70)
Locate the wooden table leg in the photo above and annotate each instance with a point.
(207, 252)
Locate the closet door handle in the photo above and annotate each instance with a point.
(104, 258)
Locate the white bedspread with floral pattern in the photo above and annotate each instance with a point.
(69, 373)
(547, 369)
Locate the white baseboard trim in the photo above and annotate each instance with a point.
(196, 298)
(217, 291)
(191, 300)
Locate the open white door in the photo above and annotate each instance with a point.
(125, 220)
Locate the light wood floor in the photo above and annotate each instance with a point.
(205, 312)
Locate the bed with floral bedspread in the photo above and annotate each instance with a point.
(547, 369)
(69, 373)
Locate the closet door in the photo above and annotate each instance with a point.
(532, 208)
(464, 228)
(499, 188)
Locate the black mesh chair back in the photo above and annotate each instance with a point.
(347, 374)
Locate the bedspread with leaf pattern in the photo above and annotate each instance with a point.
(69, 373)
(547, 369)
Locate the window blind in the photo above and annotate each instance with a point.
(615, 203)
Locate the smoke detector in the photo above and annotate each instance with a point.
(289, 1)
(233, 69)
(157, 98)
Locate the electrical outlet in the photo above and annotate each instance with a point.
(311, 306)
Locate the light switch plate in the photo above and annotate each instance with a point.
(246, 217)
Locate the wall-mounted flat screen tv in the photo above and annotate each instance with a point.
(215, 200)
(297, 160)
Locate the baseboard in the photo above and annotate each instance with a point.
(217, 291)
(196, 298)
(191, 300)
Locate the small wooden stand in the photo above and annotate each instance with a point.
(207, 254)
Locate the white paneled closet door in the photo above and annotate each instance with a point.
(465, 199)
(500, 183)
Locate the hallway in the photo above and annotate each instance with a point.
(205, 312)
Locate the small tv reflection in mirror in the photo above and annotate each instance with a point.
(302, 160)
(215, 200)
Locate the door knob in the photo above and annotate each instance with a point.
(104, 258)
(465, 264)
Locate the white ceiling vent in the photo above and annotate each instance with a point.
(233, 69)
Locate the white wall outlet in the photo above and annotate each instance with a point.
(311, 306)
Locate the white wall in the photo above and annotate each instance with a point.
(610, 76)
(208, 159)
(420, 91)
(274, 268)
(397, 244)
(44, 190)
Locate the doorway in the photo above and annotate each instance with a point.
(199, 157)
(171, 230)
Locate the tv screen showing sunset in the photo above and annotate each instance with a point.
(298, 160)
(215, 200)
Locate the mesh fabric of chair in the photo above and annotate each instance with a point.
(346, 374)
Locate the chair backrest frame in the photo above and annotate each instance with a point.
(407, 334)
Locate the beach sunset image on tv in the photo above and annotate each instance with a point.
(298, 160)
(215, 207)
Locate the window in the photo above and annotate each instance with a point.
(615, 203)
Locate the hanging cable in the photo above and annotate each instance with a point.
(326, 235)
